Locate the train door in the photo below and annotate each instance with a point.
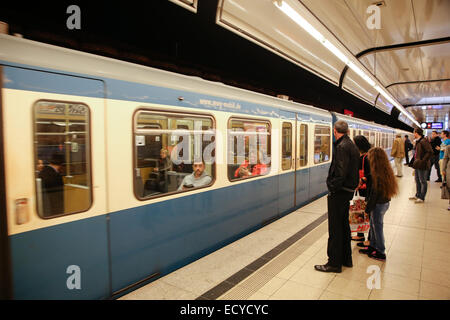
(286, 183)
(53, 127)
(302, 173)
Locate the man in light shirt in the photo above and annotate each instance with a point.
(445, 142)
(196, 179)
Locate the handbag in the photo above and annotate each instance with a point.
(358, 218)
(362, 178)
(444, 192)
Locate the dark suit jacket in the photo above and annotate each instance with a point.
(52, 192)
(343, 174)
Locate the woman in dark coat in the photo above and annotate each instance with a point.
(364, 175)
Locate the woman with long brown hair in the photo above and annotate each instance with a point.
(384, 186)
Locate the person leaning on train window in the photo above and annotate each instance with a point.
(196, 179)
(342, 181)
(251, 167)
(52, 186)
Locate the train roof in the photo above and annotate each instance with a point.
(50, 57)
(355, 121)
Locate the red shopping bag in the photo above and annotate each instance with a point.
(358, 219)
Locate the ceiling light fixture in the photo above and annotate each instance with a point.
(344, 57)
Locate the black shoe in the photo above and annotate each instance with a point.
(377, 255)
(366, 251)
(327, 268)
(348, 264)
(438, 180)
(362, 245)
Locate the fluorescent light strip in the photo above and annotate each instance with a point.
(297, 18)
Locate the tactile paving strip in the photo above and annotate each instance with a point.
(256, 281)
(285, 253)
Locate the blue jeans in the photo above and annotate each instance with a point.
(421, 183)
(376, 233)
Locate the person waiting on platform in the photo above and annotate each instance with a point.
(383, 188)
(408, 147)
(365, 179)
(398, 152)
(342, 180)
(445, 142)
(435, 145)
(196, 179)
(421, 164)
(446, 171)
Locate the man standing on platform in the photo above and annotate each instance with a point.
(435, 145)
(408, 147)
(342, 180)
(398, 152)
(421, 164)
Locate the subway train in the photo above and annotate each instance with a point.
(117, 174)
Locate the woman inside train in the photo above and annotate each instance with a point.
(251, 167)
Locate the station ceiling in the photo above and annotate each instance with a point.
(197, 37)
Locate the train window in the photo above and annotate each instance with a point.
(366, 134)
(172, 153)
(321, 144)
(286, 146)
(372, 138)
(249, 148)
(303, 145)
(62, 158)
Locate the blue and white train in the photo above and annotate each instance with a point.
(122, 225)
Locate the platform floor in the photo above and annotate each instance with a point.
(417, 265)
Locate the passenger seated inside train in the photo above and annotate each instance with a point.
(198, 178)
(251, 167)
(158, 179)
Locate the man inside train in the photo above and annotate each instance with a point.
(196, 179)
(53, 186)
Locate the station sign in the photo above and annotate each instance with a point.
(432, 125)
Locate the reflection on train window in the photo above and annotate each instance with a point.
(62, 158)
(286, 146)
(173, 153)
(303, 145)
(321, 144)
(249, 148)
